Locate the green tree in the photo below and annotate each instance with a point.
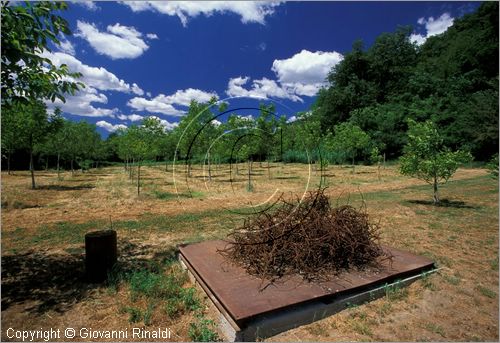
(350, 140)
(166, 147)
(143, 143)
(82, 145)
(376, 158)
(26, 32)
(493, 166)
(12, 138)
(425, 157)
(35, 127)
(55, 144)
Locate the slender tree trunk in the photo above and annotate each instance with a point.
(8, 162)
(47, 164)
(268, 170)
(138, 178)
(32, 167)
(436, 192)
(72, 169)
(209, 171)
(166, 164)
(353, 166)
(378, 171)
(249, 176)
(58, 169)
(384, 160)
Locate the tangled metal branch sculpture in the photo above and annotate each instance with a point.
(307, 238)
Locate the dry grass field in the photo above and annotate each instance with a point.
(43, 248)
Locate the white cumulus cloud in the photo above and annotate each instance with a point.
(249, 11)
(263, 88)
(433, 27)
(155, 105)
(66, 46)
(152, 36)
(118, 42)
(81, 104)
(96, 77)
(90, 5)
(184, 97)
(132, 117)
(110, 127)
(304, 73)
(165, 103)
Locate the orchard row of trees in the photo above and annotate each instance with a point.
(365, 113)
(28, 127)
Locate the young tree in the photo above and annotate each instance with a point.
(34, 129)
(351, 140)
(376, 158)
(55, 144)
(143, 142)
(425, 157)
(26, 75)
(493, 166)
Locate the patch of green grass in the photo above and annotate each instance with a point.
(490, 241)
(435, 225)
(435, 328)
(351, 305)
(440, 260)
(148, 314)
(494, 264)
(452, 279)
(395, 292)
(166, 288)
(65, 232)
(486, 292)
(135, 314)
(155, 285)
(203, 330)
(427, 282)
(169, 196)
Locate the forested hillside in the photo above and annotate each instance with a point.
(362, 115)
(451, 79)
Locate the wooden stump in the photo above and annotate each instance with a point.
(100, 254)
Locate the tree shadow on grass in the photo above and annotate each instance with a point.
(443, 203)
(53, 281)
(65, 188)
(57, 281)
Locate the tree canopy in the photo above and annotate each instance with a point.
(452, 79)
(27, 30)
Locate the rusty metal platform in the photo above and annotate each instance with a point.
(240, 296)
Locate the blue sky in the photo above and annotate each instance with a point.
(151, 58)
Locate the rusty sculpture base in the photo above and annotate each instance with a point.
(249, 310)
